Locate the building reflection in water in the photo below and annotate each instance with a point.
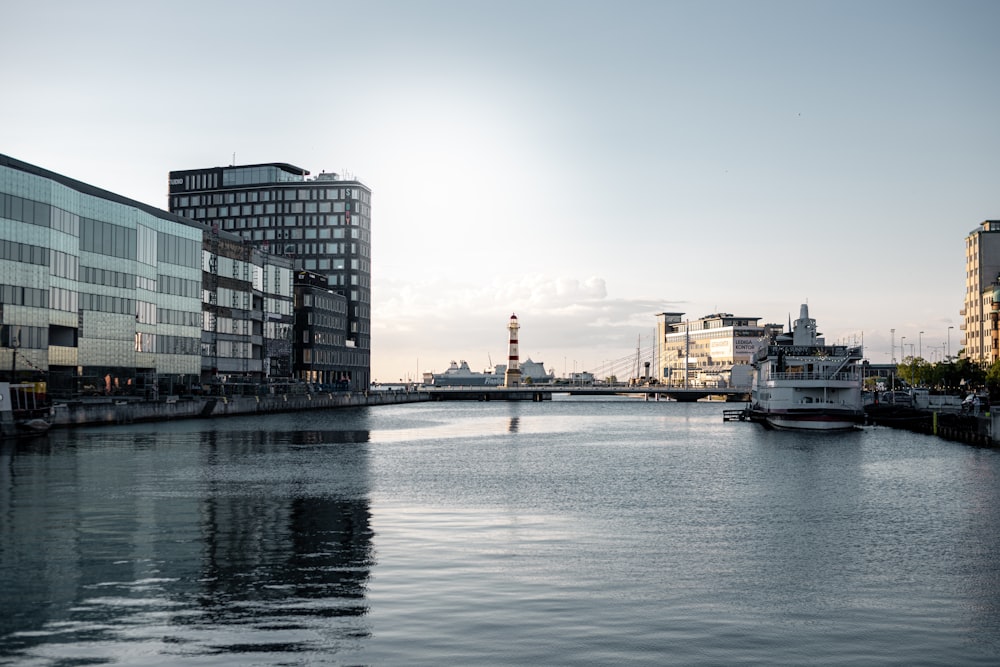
(177, 534)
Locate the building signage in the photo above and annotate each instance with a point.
(176, 181)
(745, 347)
(721, 348)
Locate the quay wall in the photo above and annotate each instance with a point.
(79, 413)
(978, 429)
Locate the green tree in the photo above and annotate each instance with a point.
(993, 379)
(915, 370)
(969, 374)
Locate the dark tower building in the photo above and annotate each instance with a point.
(322, 224)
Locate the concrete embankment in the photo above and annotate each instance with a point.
(80, 413)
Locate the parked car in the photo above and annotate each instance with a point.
(896, 398)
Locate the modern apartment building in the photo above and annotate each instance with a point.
(98, 293)
(981, 308)
(320, 332)
(246, 335)
(704, 351)
(322, 224)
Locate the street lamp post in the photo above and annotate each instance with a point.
(892, 355)
(920, 344)
(949, 342)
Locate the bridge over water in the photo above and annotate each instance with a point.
(540, 393)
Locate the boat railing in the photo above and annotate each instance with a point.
(850, 351)
(813, 376)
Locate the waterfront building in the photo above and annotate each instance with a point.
(322, 224)
(980, 309)
(707, 351)
(98, 293)
(246, 337)
(321, 342)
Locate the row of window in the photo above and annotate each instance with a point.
(93, 276)
(332, 221)
(38, 213)
(227, 298)
(107, 239)
(33, 338)
(237, 210)
(226, 325)
(103, 237)
(320, 319)
(323, 302)
(17, 295)
(182, 318)
(333, 250)
(322, 338)
(328, 356)
(176, 344)
(281, 194)
(107, 304)
(179, 286)
(227, 349)
(65, 265)
(22, 252)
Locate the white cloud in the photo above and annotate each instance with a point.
(561, 317)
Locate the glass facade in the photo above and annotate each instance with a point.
(322, 225)
(246, 340)
(85, 276)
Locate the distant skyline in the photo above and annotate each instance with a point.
(582, 165)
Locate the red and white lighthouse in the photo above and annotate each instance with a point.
(512, 377)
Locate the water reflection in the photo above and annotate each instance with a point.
(153, 541)
(563, 533)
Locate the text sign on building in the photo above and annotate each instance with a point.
(745, 347)
(721, 349)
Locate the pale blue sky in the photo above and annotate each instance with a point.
(585, 165)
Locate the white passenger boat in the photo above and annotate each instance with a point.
(801, 383)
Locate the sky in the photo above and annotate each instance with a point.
(584, 165)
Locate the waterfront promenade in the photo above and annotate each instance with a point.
(121, 411)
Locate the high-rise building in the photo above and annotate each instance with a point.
(323, 224)
(980, 309)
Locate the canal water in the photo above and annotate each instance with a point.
(571, 532)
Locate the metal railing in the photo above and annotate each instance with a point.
(813, 376)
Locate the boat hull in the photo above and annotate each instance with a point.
(809, 421)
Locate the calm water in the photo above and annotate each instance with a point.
(576, 532)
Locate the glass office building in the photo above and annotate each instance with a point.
(98, 293)
(323, 224)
